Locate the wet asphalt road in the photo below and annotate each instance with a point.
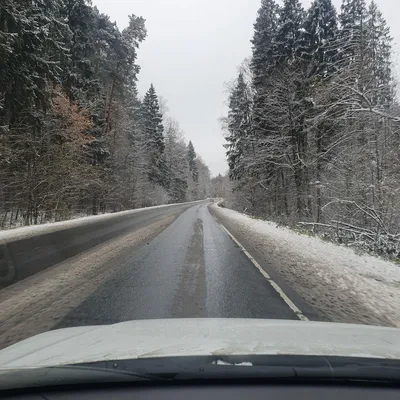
(192, 269)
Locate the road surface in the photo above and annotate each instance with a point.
(175, 262)
(192, 269)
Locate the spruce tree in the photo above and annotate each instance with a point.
(353, 39)
(176, 163)
(287, 41)
(379, 51)
(320, 31)
(264, 33)
(152, 126)
(265, 29)
(239, 128)
(191, 155)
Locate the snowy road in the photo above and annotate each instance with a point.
(192, 269)
(181, 262)
(177, 263)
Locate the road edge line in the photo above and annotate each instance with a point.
(265, 274)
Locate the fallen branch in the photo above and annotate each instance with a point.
(353, 226)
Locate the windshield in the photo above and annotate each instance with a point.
(165, 161)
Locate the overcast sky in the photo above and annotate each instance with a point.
(195, 46)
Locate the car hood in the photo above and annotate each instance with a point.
(200, 337)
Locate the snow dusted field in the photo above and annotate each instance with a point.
(339, 284)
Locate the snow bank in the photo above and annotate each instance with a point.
(339, 284)
(27, 231)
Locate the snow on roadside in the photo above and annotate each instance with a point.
(37, 303)
(341, 285)
(34, 230)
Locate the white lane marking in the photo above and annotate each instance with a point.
(277, 288)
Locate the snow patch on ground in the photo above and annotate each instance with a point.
(341, 285)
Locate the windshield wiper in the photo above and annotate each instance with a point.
(296, 369)
(118, 373)
(69, 375)
(255, 367)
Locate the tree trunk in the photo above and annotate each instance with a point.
(94, 205)
(319, 168)
(285, 202)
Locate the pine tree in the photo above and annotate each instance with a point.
(33, 35)
(79, 74)
(122, 53)
(73, 133)
(152, 126)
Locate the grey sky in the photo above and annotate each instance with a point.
(195, 46)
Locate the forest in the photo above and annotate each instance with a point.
(75, 136)
(312, 132)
